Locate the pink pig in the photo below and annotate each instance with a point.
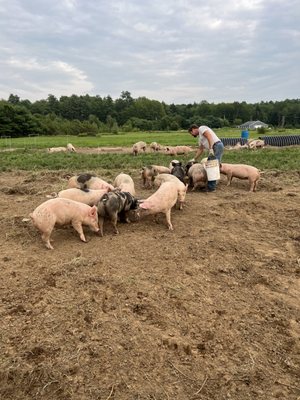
(88, 181)
(88, 196)
(181, 187)
(125, 183)
(161, 202)
(241, 171)
(62, 212)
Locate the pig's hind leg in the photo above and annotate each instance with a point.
(114, 220)
(229, 179)
(100, 223)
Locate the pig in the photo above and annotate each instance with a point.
(197, 176)
(90, 197)
(182, 188)
(125, 183)
(57, 149)
(138, 148)
(88, 181)
(241, 171)
(62, 212)
(160, 201)
(177, 150)
(178, 171)
(256, 143)
(173, 163)
(171, 150)
(155, 146)
(113, 205)
(161, 169)
(71, 148)
(183, 149)
(148, 174)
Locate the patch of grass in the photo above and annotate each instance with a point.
(171, 138)
(284, 159)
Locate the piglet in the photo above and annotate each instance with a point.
(241, 171)
(62, 212)
(161, 201)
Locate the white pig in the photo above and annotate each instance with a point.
(71, 148)
(181, 187)
(88, 181)
(241, 171)
(87, 196)
(62, 212)
(125, 183)
(57, 149)
(197, 175)
(161, 201)
(139, 147)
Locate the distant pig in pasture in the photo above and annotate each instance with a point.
(161, 201)
(113, 205)
(90, 197)
(88, 181)
(256, 144)
(57, 150)
(125, 183)
(182, 188)
(241, 171)
(61, 211)
(177, 150)
(139, 147)
(71, 148)
(155, 146)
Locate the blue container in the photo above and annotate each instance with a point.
(245, 135)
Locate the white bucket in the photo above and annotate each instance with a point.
(212, 170)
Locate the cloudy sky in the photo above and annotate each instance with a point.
(179, 51)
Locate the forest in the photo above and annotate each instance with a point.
(94, 115)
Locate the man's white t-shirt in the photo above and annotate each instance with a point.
(202, 139)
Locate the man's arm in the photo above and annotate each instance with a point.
(199, 152)
(209, 138)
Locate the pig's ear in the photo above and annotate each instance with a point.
(186, 186)
(93, 211)
(144, 206)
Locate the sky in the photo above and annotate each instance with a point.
(176, 51)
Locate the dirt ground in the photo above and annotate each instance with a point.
(208, 311)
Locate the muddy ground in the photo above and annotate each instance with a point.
(208, 311)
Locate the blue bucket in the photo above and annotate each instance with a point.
(245, 135)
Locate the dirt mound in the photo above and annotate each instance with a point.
(208, 311)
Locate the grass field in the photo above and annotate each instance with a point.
(30, 152)
(126, 139)
(285, 159)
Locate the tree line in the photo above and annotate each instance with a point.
(93, 115)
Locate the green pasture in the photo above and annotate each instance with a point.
(284, 159)
(172, 138)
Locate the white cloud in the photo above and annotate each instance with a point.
(172, 51)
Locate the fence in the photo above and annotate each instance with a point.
(279, 141)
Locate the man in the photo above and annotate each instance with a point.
(208, 140)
